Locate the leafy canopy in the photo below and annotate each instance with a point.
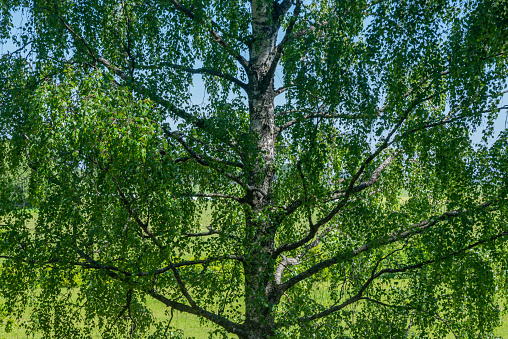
(342, 177)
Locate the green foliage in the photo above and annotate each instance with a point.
(107, 166)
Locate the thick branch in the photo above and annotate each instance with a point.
(350, 190)
(283, 8)
(280, 47)
(230, 326)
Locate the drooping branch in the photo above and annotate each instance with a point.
(202, 70)
(181, 113)
(318, 26)
(403, 234)
(372, 156)
(359, 294)
(89, 264)
(449, 118)
(213, 33)
(227, 324)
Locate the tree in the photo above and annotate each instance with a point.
(317, 116)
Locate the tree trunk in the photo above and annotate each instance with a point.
(259, 266)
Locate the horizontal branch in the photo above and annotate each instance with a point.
(99, 266)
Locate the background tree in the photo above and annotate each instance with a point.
(376, 98)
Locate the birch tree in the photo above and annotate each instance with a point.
(279, 169)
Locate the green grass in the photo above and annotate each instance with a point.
(190, 324)
(194, 328)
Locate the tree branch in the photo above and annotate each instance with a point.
(283, 8)
(189, 118)
(315, 227)
(351, 187)
(204, 162)
(309, 29)
(193, 308)
(372, 180)
(280, 47)
(379, 242)
(386, 142)
(202, 159)
(228, 325)
(358, 296)
(203, 70)
(214, 34)
(133, 214)
(409, 307)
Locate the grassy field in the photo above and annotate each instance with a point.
(189, 324)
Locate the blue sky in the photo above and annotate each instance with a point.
(199, 95)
